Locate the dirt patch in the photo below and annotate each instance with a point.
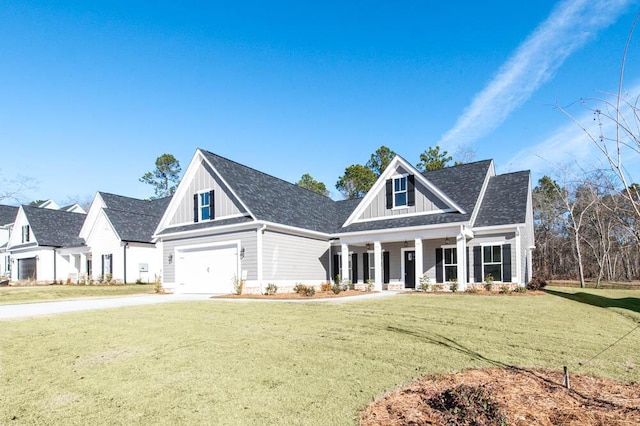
(295, 296)
(477, 292)
(525, 397)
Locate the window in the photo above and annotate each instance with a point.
(8, 266)
(340, 267)
(492, 262)
(372, 265)
(400, 191)
(107, 264)
(205, 205)
(25, 234)
(450, 262)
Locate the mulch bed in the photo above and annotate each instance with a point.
(525, 397)
(294, 296)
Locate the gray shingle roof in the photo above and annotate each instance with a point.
(505, 200)
(7, 214)
(275, 200)
(201, 225)
(55, 228)
(134, 220)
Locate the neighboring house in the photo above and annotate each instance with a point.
(39, 235)
(228, 222)
(117, 240)
(7, 218)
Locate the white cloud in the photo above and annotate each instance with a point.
(569, 26)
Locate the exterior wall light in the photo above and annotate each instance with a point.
(170, 259)
(242, 253)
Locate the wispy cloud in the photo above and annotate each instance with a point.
(572, 143)
(570, 26)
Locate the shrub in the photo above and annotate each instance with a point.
(468, 405)
(139, 281)
(437, 287)
(336, 288)
(454, 285)
(327, 287)
(157, 286)
(471, 289)
(536, 283)
(271, 289)
(425, 283)
(299, 288)
(505, 289)
(238, 285)
(370, 285)
(488, 282)
(520, 289)
(309, 291)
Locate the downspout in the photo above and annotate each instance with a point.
(259, 257)
(125, 262)
(54, 265)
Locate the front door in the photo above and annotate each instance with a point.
(409, 269)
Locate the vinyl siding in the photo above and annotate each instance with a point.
(247, 241)
(205, 179)
(426, 201)
(290, 257)
(495, 239)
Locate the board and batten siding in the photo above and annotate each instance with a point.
(425, 201)
(247, 242)
(206, 179)
(289, 257)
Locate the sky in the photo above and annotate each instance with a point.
(91, 93)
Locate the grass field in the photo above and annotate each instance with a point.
(304, 364)
(11, 295)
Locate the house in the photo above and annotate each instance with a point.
(7, 218)
(230, 222)
(39, 235)
(117, 240)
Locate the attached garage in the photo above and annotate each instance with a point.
(208, 269)
(27, 269)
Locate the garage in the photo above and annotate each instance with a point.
(207, 269)
(27, 269)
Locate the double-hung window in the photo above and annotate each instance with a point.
(25, 234)
(340, 267)
(372, 265)
(450, 262)
(205, 205)
(492, 262)
(400, 191)
(107, 264)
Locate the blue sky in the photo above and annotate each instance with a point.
(92, 92)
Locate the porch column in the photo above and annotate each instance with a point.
(461, 249)
(377, 254)
(344, 273)
(519, 276)
(418, 259)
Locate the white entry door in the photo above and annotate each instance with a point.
(207, 269)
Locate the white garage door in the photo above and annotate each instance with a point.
(207, 270)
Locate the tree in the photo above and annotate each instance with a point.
(433, 159)
(165, 177)
(13, 189)
(464, 154)
(380, 160)
(308, 182)
(356, 181)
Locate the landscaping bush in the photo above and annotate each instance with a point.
(520, 289)
(437, 287)
(488, 282)
(300, 288)
(425, 283)
(336, 288)
(271, 289)
(468, 405)
(505, 289)
(471, 289)
(536, 283)
(327, 287)
(309, 291)
(453, 286)
(370, 285)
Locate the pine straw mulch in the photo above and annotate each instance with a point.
(526, 397)
(295, 296)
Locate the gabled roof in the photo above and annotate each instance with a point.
(505, 200)
(54, 228)
(8, 214)
(133, 219)
(274, 200)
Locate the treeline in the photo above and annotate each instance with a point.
(586, 229)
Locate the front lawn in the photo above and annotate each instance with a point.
(11, 295)
(217, 362)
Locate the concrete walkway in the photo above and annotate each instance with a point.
(27, 310)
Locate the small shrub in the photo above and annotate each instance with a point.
(536, 283)
(437, 287)
(336, 288)
(468, 405)
(300, 288)
(471, 289)
(454, 285)
(238, 285)
(488, 282)
(347, 285)
(157, 286)
(520, 289)
(326, 287)
(505, 289)
(139, 281)
(425, 283)
(108, 278)
(309, 291)
(271, 289)
(370, 285)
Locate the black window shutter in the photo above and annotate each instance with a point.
(389, 193)
(506, 263)
(439, 276)
(477, 264)
(385, 267)
(354, 268)
(365, 266)
(212, 205)
(467, 265)
(336, 266)
(195, 207)
(411, 190)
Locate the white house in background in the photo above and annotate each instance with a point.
(39, 233)
(458, 224)
(117, 240)
(7, 218)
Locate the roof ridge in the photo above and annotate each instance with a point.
(131, 212)
(267, 174)
(513, 173)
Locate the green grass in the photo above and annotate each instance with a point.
(283, 363)
(11, 295)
